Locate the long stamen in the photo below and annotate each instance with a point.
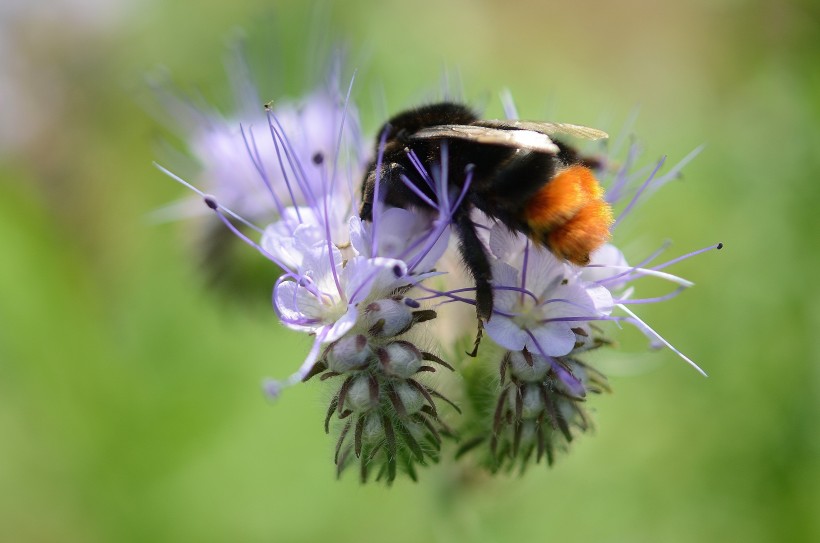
(675, 171)
(640, 272)
(715, 247)
(443, 225)
(643, 326)
(643, 263)
(637, 195)
(293, 159)
(211, 203)
(412, 186)
(525, 266)
(422, 171)
(282, 168)
(341, 135)
(654, 300)
(613, 192)
(256, 159)
(206, 197)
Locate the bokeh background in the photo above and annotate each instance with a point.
(130, 407)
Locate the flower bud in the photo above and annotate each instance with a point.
(411, 398)
(373, 429)
(400, 359)
(528, 367)
(532, 403)
(359, 396)
(351, 352)
(388, 317)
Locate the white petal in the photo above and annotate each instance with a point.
(294, 307)
(359, 235)
(600, 260)
(601, 299)
(364, 276)
(343, 325)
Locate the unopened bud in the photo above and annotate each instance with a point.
(388, 317)
(532, 403)
(373, 430)
(351, 352)
(528, 367)
(359, 395)
(411, 398)
(400, 358)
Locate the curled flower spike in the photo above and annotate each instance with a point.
(376, 288)
(536, 409)
(389, 419)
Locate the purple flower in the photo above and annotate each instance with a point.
(358, 288)
(539, 299)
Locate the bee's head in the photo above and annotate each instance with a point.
(401, 127)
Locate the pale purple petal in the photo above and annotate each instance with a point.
(505, 244)
(506, 333)
(554, 338)
(506, 276)
(544, 272)
(600, 262)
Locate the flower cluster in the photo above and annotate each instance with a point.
(376, 297)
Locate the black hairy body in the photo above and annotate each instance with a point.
(504, 175)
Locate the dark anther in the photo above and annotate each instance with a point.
(210, 201)
(318, 158)
(409, 302)
(720, 246)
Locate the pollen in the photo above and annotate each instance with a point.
(569, 215)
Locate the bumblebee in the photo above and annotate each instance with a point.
(519, 175)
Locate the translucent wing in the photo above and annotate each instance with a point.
(550, 129)
(521, 139)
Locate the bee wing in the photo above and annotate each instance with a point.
(550, 129)
(521, 139)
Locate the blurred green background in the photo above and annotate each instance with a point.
(130, 407)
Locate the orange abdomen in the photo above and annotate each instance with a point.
(569, 215)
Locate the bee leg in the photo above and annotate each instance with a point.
(475, 258)
(478, 335)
